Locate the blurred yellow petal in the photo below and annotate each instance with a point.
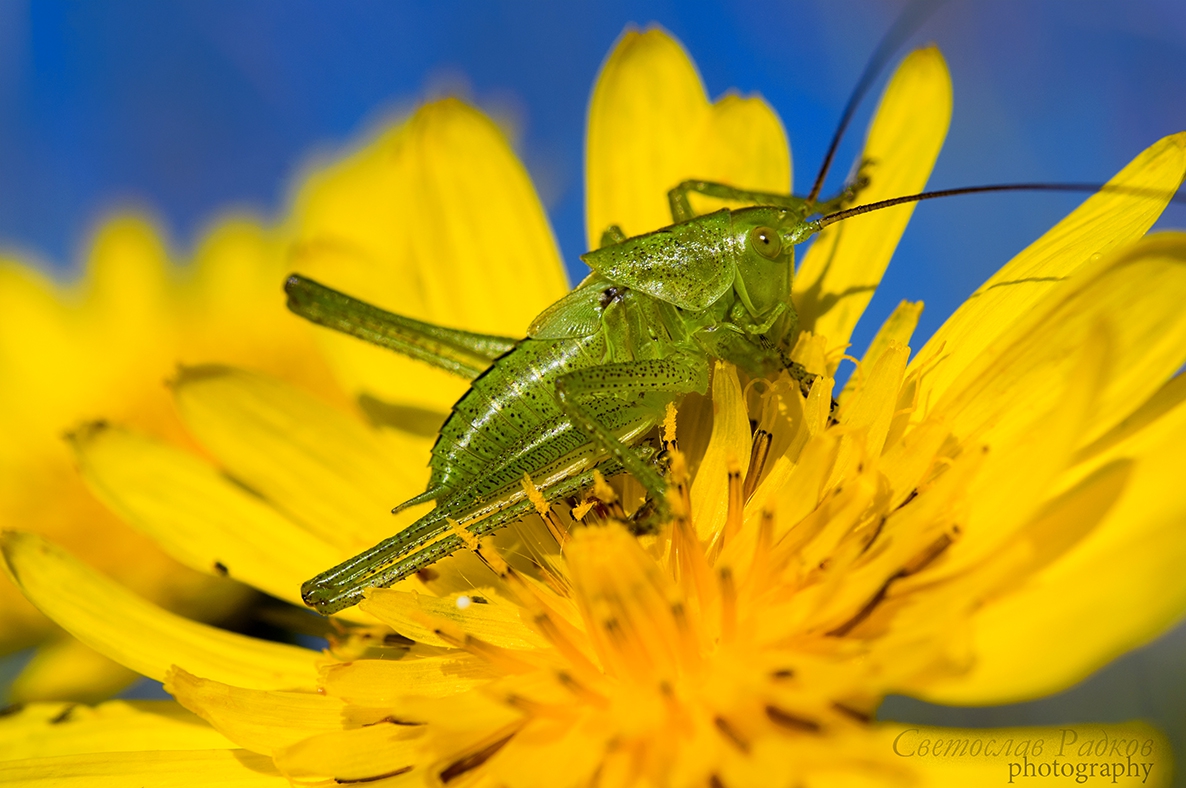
(43, 730)
(322, 468)
(1105, 222)
(558, 754)
(152, 769)
(362, 755)
(73, 352)
(100, 347)
(447, 183)
(480, 239)
(232, 308)
(65, 669)
(436, 219)
(651, 126)
(1137, 430)
(381, 682)
(258, 720)
(201, 518)
(115, 622)
(844, 266)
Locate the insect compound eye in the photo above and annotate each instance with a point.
(765, 241)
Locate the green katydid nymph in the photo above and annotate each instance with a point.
(594, 375)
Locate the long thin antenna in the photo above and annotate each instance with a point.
(857, 210)
(906, 24)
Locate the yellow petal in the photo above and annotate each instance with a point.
(898, 327)
(491, 269)
(1134, 291)
(435, 219)
(802, 485)
(1118, 588)
(871, 406)
(258, 720)
(30, 310)
(152, 769)
(361, 755)
(1132, 435)
(43, 730)
(65, 669)
(323, 468)
(99, 346)
(728, 451)
(843, 267)
(197, 515)
(743, 143)
(1105, 222)
(564, 753)
(115, 622)
(1019, 474)
(413, 615)
(233, 308)
(651, 127)
(379, 682)
(907, 460)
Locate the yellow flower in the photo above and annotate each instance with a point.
(988, 522)
(104, 347)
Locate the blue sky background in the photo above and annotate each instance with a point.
(190, 109)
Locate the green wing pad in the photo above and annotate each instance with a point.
(576, 315)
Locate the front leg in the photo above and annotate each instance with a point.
(681, 209)
(578, 391)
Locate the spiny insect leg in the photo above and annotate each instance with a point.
(486, 524)
(463, 353)
(849, 194)
(676, 375)
(392, 559)
(681, 209)
(612, 235)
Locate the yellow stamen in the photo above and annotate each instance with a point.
(471, 541)
(580, 510)
(601, 489)
(669, 426)
(544, 509)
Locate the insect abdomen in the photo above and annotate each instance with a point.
(506, 404)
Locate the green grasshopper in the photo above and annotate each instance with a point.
(594, 375)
